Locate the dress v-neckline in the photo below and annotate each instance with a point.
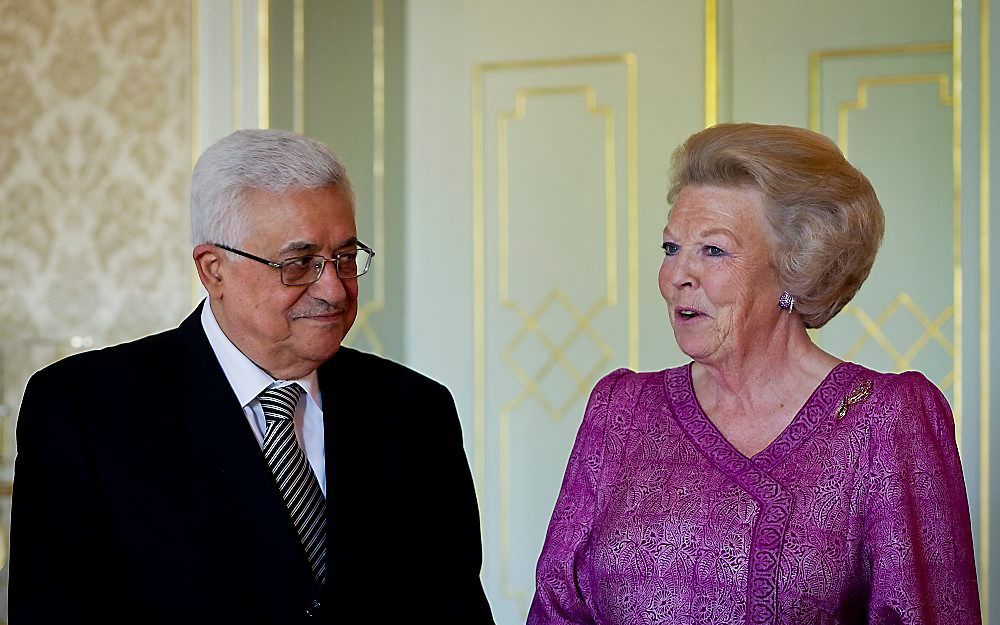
(753, 475)
(822, 401)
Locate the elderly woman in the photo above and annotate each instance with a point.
(767, 481)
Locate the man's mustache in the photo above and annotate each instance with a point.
(320, 307)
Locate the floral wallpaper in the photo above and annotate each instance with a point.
(95, 157)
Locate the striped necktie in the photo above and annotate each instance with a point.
(294, 476)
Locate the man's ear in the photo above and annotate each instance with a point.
(208, 261)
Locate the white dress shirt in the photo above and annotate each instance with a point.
(248, 381)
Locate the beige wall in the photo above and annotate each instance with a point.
(94, 166)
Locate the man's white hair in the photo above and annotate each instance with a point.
(246, 160)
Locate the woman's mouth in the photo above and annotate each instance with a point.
(687, 313)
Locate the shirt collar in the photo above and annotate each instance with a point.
(245, 377)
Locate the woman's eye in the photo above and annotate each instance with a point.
(670, 249)
(711, 250)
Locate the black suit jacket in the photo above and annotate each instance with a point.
(141, 495)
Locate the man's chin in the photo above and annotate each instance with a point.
(321, 336)
(316, 355)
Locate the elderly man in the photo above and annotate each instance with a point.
(244, 467)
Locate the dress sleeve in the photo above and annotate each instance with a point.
(917, 530)
(558, 600)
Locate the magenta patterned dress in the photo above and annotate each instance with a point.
(856, 513)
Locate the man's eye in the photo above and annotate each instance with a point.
(670, 249)
(712, 250)
(300, 263)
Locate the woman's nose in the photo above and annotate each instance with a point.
(681, 271)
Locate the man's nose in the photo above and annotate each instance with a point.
(330, 286)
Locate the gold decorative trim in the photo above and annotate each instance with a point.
(299, 66)
(711, 63)
(956, 208)
(610, 187)
(573, 61)
(236, 61)
(632, 171)
(984, 307)
(263, 64)
(866, 82)
(901, 360)
(6, 492)
(529, 388)
(557, 356)
(530, 321)
(478, 224)
(478, 291)
(816, 58)
(378, 149)
(363, 321)
(583, 325)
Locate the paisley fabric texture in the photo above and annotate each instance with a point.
(860, 518)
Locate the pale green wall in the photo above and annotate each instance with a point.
(340, 108)
(518, 443)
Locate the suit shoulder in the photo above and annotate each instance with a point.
(382, 369)
(115, 360)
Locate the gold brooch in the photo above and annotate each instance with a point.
(861, 391)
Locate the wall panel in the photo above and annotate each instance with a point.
(94, 166)
(549, 279)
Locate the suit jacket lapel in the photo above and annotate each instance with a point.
(345, 421)
(228, 456)
(335, 408)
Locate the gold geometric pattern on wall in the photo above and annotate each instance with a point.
(533, 386)
(581, 333)
(533, 382)
(817, 57)
(582, 327)
(873, 329)
(902, 356)
(555, 335)
(628, 61)
(867, 82)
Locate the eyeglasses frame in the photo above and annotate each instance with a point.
(280, 266)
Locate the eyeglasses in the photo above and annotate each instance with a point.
(304, 270)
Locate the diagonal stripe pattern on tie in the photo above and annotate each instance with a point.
(294, 476)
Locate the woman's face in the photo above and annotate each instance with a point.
(717, 276)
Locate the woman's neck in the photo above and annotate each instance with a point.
(783, 362)
(752, 396)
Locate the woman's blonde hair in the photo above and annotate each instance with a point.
(823, 213)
